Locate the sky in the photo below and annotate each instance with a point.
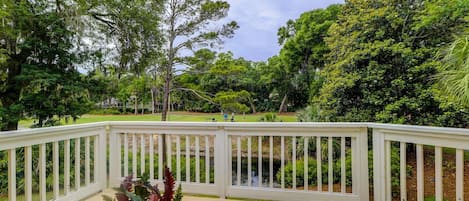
(259, 20)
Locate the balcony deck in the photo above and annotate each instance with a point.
(243, 160)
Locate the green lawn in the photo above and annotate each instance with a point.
(173, 116)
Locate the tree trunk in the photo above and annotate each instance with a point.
(170, 105)
(283, 104)
(164, 113)
(253, 107)
(10, 98)
(152, 100)
(136, 106)
(143, 110)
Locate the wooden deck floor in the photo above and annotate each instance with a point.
(111, 192)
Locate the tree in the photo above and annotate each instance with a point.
(39, 73)
(231, 101)
(191, 24)
(132, 26)
(303, 53)
(382, 60)
(210, 75)
(454, 73)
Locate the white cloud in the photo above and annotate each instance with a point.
(259, 21)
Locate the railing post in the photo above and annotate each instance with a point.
(379, 175)
(12, 174)
(364, 172)
(101, 161)
(222, 170)
(114, 158)
(360, 173)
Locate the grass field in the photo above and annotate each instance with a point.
(173, 116)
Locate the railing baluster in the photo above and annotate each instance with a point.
(142, 153)
(169, 150)
(342, 166)
(238, 161)
(151, 150)
(459, 175)
(95, 158)
(355, 164)
(387, 148)
(319, 162)
(249, 160)
(294, 162)
(12, 175)
(403, 171)
(134, 155)
(77, 163)
(55, 175)
(259, 161)
(207, 159)
(230, 160)
(188, 159)
(306, 165)
(330, 170)
(197, 159)
(67, 167)
(438, 174)
(420, 173)
(271, 161)
(28, 174)
(282, 161)
(178, 158)
(126, 155)
(160, 157)
(87, 161)
(42, 172)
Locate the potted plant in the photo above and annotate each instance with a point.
(141, 189)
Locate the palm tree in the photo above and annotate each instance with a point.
(454, 74)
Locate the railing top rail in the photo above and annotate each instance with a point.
(239, 124)
(55, 129)
(29, 137)
(234, 125)
(420, 129)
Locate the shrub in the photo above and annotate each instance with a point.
(269, 117)
(312, 170)
(308, 114)
(105, 111)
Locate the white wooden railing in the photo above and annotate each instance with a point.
(40, 139)
(246, 160)
(417, 138)
(225, 140)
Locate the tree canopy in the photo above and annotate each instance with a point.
(382, 61)
(39, 76)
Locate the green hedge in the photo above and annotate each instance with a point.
(312, 170)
